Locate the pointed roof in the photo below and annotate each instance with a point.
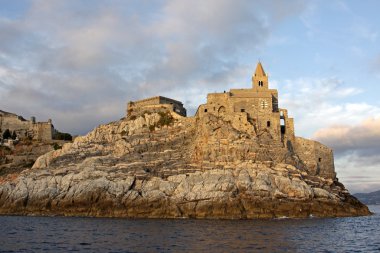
(259, 70)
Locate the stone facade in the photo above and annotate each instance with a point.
(154, 103)
(253, 110)
(41, 131)
(256, 112)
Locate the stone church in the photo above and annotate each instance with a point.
(256, 112)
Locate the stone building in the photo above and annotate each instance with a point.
(252, 110)
(42, 131)
(154, 103)
(256, 112)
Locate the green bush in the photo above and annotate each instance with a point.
(7, 134)
(14, 135)
(165, 119)
(56, 146)
(63, 136)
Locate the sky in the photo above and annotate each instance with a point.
(80, 61)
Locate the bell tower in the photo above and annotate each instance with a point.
(259, 78)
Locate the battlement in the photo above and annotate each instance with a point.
(152, 103)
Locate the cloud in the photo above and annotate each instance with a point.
(356, 149)
(363, 138)
(375, 65)
(319, 102)
(79, 62)
(322, 113)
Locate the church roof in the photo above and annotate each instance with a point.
(259, 70)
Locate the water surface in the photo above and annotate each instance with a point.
(66, 234)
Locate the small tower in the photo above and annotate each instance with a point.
(260, 79)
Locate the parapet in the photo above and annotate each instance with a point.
(152, 103)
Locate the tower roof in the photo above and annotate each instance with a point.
(259, 70)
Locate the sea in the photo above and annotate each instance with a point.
(79, 234)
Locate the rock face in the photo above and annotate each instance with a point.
(22, 155)
(163, 165)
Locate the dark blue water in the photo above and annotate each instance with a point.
(62, 234)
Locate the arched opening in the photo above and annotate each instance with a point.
(221, 111)
(282, 125)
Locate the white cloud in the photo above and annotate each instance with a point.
(356, 148)
(317, 103)
(79, 62)
(321, 112)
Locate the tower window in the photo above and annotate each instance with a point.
(282, 126)
(205, 110)
(242, 110)
(261, 83)
(319, 159)
(268, 123)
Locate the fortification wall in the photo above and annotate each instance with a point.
(25, 128)
(43, 131)
(135, 107)
(317, 157)
(15, 123)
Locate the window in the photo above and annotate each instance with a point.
(264, 104)
(282, 126)
(261, 83)
(319, 159)
(268, 123)
(221, 111)
(242, 110)
(205, 110)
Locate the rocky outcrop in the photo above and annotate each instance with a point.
(22, 155)
(163, 165)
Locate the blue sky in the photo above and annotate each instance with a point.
(80, 62)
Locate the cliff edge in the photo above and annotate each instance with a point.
(158, 164)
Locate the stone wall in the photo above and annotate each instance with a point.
(251, 111)
(136, 107)
(317, 157)
(42, 131)
(14, 123)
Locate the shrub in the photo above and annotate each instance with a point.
(7, 134)
(165, 119)
(56, 146)
(63, 136)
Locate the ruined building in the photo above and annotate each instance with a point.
(254, 111)
(41, 131)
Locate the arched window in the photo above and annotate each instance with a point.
(221, 110)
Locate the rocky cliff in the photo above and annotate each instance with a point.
(159, 164)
